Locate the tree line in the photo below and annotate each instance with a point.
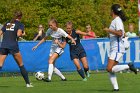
(80, 12)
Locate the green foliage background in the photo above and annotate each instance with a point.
(80, 12)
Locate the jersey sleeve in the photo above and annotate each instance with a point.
(64, 34)
(48, 32)
(21, 26)
(119, 25)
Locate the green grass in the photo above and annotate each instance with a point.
(97, 83)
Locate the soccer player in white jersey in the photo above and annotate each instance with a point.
(56, 48)
(117, 49)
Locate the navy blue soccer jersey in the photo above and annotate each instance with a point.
(76, 51)
(10, 35)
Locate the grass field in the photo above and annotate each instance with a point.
(97, 83)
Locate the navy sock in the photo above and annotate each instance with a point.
(24, 74)
(0, 68)
(81, 73)
(86, 69)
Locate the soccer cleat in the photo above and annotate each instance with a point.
(64, 79)
(85, 79)
(29, 85)
(116, 90)
(46, 80)
(132, 68)
(87, 74)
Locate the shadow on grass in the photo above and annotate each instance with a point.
(4, 86)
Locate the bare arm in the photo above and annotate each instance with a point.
(40, 42)
(118, 33)
(83, 33)
(1, 33)
(62, 45)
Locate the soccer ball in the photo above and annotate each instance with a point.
(39, 75)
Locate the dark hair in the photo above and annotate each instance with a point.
(17, 15)
(54, 21)
(116, 8)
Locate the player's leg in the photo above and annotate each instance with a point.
(112, 75)
(59, 51)
(79, 69)
(17, 56)
(52, 59)
(85, 65)
(3, 55)
(57, 71)
(112, 67)
(2, 59)
(117, 68)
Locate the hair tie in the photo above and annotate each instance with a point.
(119, 9)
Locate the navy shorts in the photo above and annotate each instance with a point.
(77, 54)
(6, 51)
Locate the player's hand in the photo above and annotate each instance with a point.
(56, 41)
(106, 29)
(73, 41)
(34, 48)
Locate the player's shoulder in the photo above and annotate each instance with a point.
(19, 23)
(49, 29)
(118, 20)
(60, 29)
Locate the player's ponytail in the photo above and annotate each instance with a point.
(17, 15)
(116, 8)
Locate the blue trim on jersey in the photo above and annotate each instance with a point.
(116, 56)
(118, 44)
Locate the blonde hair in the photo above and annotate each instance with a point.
(53, 20)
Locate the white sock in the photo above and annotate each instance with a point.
(118, 68)
(50, 71)
(58, 73)
(113, 80)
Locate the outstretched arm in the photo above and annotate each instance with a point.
(40, 42)
(83, 33)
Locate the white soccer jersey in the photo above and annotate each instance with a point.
(59, 34)
(116, 43)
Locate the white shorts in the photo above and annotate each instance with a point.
(57, 50)
(115, 56)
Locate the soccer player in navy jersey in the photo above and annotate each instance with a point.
(77, 51)
(9, 45)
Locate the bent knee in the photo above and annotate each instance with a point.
(109, 69)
